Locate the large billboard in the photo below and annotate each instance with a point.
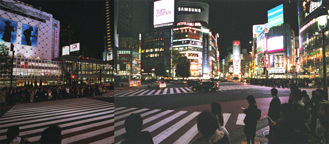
(275, 44)
(65, 50)
(275, 16)
(163, 12)
(205, 53)
(75, 47)
(29, 35)
(56, 38)
(8, 30)
(236, 58)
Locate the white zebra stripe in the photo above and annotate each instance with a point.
(177, 90)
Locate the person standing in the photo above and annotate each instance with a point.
(253, 114)
(274, 109)
(134, 134)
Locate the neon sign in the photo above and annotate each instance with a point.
(189, 24)
(236, 43)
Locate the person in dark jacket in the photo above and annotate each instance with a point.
(134, 134)
(51, 135)
(274, 109)
(253, 114)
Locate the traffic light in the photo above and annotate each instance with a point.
(99, 78)
(81, 57)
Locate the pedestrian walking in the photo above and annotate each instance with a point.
(216, 109)
(13, 137)
(51, 135)
(2, 98)
(253, 114)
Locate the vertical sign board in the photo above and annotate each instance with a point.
(236, 58)
(56, 40)
(275, 16)
(65, 50)
(205, 54)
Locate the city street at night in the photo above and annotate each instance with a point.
(171, 117)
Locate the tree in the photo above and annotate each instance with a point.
(175, 55)
(160, 69)
(183, 67)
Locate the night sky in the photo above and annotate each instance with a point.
(232, 19)
(85, 17)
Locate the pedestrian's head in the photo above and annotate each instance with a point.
(323, 110)
(207, 123)
(133, 123)
(12, 132)
(7, 22)
(31, 28)
(251, 99)
(304, 93)
(293, 88)
(274, 92)
(285, 110)
(296, 95)
(216, 108)
(51, 135)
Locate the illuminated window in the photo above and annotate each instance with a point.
(157, 49)
(147, 50)
(143, 51)
(161, 49)
(151, 55)
(156, 55)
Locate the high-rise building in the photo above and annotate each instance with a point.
(66, 37)
(109, 34)
(131, 18)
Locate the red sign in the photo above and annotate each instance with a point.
(72, 76)
(236, 43)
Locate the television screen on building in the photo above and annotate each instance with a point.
(163, 12)
(275, 44)
(29, 35)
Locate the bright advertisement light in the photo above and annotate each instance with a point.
(275, 44)
(65, 50)
(163, 12)
(75, 47)
(275, 16)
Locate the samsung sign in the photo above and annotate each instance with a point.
(163, 12)
(275, 16)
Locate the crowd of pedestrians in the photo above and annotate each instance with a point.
(304, 119)
(44, 93)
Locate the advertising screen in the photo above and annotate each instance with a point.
(75, 47)
(163, 12)
(257, 29)
(29, 35)
(275, 44)
(8, 30)
(66, 50)
(275, 16)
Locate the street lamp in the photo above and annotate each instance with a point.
(322, 25)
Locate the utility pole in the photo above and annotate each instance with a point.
(12, 64)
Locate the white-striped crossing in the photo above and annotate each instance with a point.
(165, 126)
(151, 92)
(81, 120)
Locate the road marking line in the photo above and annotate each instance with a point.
(177, 90)
(123, 130)
(158, 92)
(188, 88)
(171, 91)
(127, 114)
(240, 119)
(164, 134)
(152, 91)
(136, 92)
(142, 115)
(226, 116)
(165, 91)
(182, 89)
(163, 122)
(106, 140)
(143, 92)
(188, 136)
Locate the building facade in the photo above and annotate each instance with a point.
(310, 38)
(35, 42)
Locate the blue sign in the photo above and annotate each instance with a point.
(275, 16)
(8, 30)
(259, 29)
(29, 35)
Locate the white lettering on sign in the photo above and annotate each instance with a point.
(189, 24)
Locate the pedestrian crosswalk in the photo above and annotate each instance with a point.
(82, 120)
(165, 126)
(173, 90)
(149, 92)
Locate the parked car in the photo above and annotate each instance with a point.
(206, 86)
(158, 84)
